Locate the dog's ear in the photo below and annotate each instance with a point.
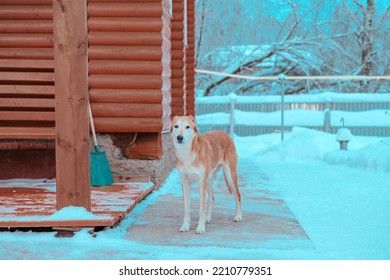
(173, 120)
(192, 118)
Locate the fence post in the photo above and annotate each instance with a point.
(233, 99)
(327, 117)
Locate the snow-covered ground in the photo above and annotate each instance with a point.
(340, 198)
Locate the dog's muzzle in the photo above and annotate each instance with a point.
(180, 138)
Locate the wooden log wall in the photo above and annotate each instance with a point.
(129, 65)
(190, 59)
(183, 93)
(26, 69)
(135, 81)
(178, 59)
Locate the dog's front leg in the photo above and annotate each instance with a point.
(186, 187)
(202, 209)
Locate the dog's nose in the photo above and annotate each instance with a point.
(180, 138)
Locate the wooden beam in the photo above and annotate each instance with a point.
(71, 86)
(147, 146)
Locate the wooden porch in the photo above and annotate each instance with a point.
(127, 59)
(30, 204)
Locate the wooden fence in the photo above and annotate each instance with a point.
(231, 113)
(355, 103)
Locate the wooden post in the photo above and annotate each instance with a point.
(71, 91)
(327, 118)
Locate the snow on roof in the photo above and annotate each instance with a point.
(343, 134)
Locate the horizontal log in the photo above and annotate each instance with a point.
(26, 89)
(178, 110)
(177, 64)
(33, 53)
(178, 7)
(26, 116)
(177, 35)
(24, 145)
(177, 74)
(147, 146)
(177, 101)
(128, 125)
(148, 96)
(26, 12)
(125, 10)
(125, 1)
(124, 67)
(26, 26)
(27, 64)
(26, 40)
(27, 132)
(177, 83)
(125, 81)
(177, 45)
(190, 51)
(124, 53)
(27, 77)
(178, 93)
(123, 38)
(27, 103)
(177, 54)
(190, 79)
(177, 25)
(124, 24)
(127, 110)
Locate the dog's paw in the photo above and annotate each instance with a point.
(238, 218)
(185, 227)
(200, 229)
(208, 218)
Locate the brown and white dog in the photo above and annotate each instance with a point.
(199, 157)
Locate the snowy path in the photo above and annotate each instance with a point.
(268, 223)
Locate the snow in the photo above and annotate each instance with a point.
(344, 134)
(299, 98)
(340, 198)
(292, 117)
(372, 118)
(66, 213)
(375, 156)
(75, 213)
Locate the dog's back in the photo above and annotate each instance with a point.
(215, 147)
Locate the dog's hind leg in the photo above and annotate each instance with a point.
(186, 187)
(230, 173)
(210, 204)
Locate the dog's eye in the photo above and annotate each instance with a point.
(176, 126)
(187, 127)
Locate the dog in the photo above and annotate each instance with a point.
(199, 157)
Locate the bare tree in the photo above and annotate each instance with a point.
(345, 37)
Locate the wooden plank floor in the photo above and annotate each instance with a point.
(30, 203)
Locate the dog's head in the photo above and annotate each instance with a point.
(183, 129)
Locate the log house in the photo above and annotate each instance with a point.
(139, 71)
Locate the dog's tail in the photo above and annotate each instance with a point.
(228, 183)
(230, 175)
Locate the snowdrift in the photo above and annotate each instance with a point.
(305, 144)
